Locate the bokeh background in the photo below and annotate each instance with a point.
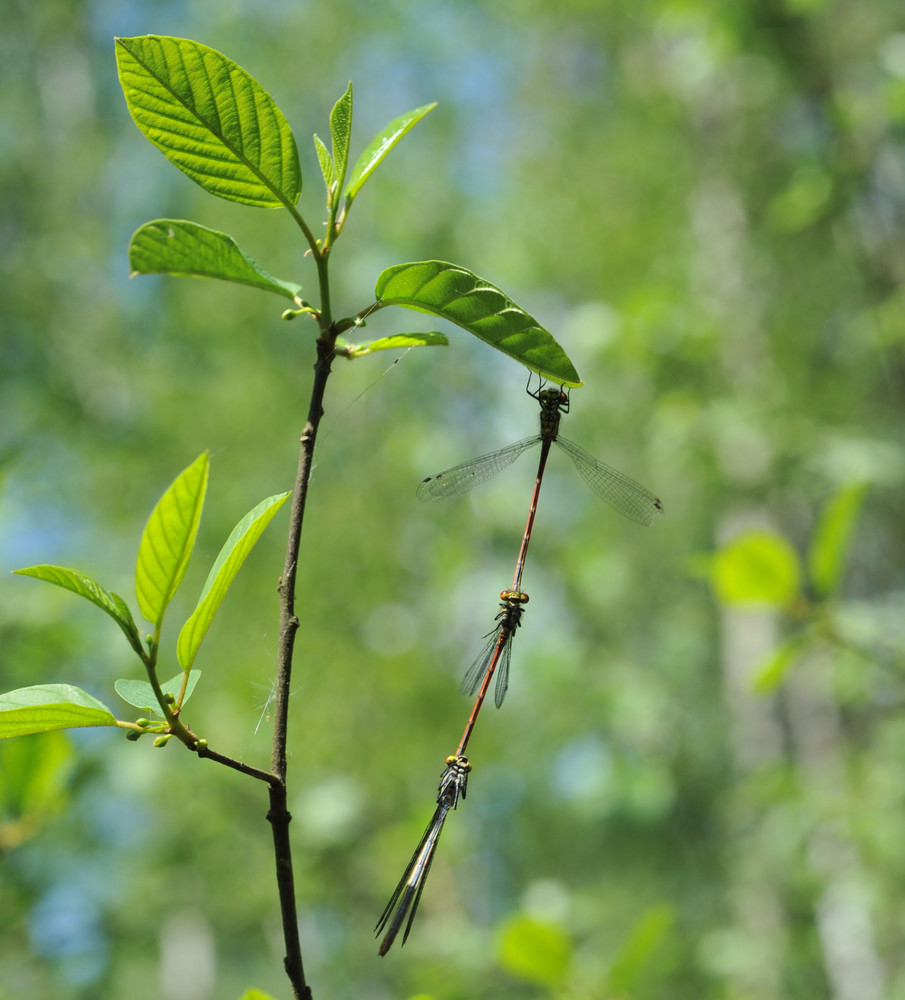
(705, 203)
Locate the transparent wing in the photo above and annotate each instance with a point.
(407, 895)
(502, 673)
(485, 660)
(631, 499)
(431, 850)
(462, 478)
(472, 679)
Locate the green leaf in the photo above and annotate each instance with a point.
(141, 694)
(396, 342)
(328, 168)
(179, 247)
(240, 542)
(772, 672)
(535, 951)
(78, 583)
(832, 538)
(381, 144)
(758, 567)
(44, 707)
(463, 298)
(168, 539)
(254, 994)
(211, 119)
(341, 130)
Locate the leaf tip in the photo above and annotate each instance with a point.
(565, 383)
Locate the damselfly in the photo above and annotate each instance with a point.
(626, 496)
(493, 660)
(407, 894)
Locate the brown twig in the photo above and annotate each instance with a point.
(279, 815)
(236, 765)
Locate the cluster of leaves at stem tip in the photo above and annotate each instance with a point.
(163, 556)
(219, 126)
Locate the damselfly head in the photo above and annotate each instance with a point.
(554, 399)
(514, 596)
(460, 762)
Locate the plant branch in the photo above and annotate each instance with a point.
(288, 620)
(278, 815)
(309, 236)
(166, 708)
(279, 818)
(236, 765)
(182, 732)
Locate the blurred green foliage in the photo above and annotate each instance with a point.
(534, 951)
(703, 202)
(758, 567)
(33, 785)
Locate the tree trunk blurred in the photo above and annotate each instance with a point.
(853, 966)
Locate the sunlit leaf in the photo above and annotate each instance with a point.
(211, 119)
(832, 538)
(182, 248)
(328, 168)
(254, 994)
(457, 295)
(223, 572)
(381, 144)
(168, 540)
(140, 693)
(397, 342)
(772, 672)
(535, 951)
(44, 707)
(84, 586)
(341, 131)
(758, 567)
